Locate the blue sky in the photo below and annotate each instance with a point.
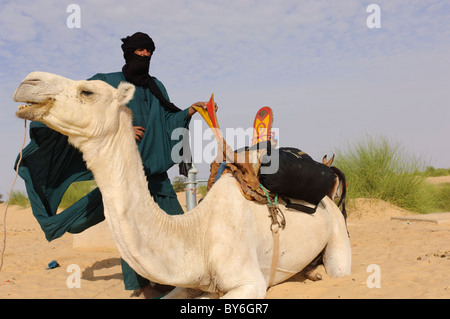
(329, 78)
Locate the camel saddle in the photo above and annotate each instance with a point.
(245, 164)
(244, 167)
(300, 181)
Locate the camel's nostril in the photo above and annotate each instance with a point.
(31, 81)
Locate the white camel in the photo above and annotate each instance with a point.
(221, 248)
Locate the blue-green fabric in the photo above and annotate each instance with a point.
(49, 165)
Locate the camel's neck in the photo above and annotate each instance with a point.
(141, 230)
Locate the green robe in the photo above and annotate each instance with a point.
(50, 165)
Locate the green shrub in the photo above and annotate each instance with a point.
(75, 192)
(430, 171)
(178, 184)
(20, 199)
(202, 190)
(443, 197)
(378, 168)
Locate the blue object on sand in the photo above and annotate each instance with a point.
(53, 264)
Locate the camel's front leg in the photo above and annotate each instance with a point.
(247, 291)
(337, 257)
(253, 286)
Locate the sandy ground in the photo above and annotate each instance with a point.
(391, 259)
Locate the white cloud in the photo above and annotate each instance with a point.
(13, 17)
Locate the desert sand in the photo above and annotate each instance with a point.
(391, 259)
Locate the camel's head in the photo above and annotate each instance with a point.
(73, 108)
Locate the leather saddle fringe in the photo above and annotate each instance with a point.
(246, 178)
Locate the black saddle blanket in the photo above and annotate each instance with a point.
(298, 176)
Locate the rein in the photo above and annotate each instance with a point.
(10, 194)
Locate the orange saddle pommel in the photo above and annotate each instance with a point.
(262, 125)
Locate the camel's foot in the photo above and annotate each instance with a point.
(316, 272)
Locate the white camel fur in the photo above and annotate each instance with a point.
(223, 247)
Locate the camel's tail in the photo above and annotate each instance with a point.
(342, 189)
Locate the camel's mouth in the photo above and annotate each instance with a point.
(33, 110)
(28, 104)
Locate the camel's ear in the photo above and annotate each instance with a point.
(125, 93)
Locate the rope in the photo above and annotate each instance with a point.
(10, 192)
(269, 201)
(274, 210)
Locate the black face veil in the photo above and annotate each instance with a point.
(136, 68)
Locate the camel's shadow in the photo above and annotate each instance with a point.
(88, 273)
(98, 266)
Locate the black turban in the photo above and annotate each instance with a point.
(139, 40)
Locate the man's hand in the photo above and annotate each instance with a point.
(138, 132)
(200, 104)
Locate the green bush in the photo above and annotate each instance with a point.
(378, 168)
(79, 189)
(443, 197)
(202, 190)
(430, 171)
(178, 184)
(75, 192)
(20, 199)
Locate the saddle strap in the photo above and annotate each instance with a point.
(300, 207)
(274, 213)
(275, 254)
(275, 227)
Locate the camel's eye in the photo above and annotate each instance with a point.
(86, 92)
